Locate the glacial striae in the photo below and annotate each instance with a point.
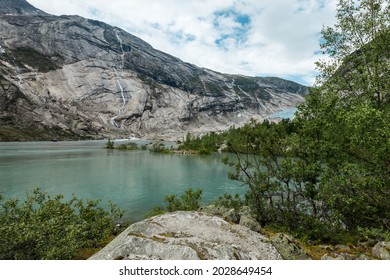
(70, 77)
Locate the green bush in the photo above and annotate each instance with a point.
(157, 210)
(206, 144)
(229, 201)
(128, 147)
(160, 148)
(42, 227)
(204, 151)
(109, 144)
(189, 201)
(374, 233)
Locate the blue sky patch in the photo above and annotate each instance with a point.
(180, 37)
(237, 31)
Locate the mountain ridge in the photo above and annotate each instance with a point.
(18, 7)
(70, 77)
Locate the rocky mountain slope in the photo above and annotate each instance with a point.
(67, 77)
(18, 7)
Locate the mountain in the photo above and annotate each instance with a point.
(18, 7)
(67, 77)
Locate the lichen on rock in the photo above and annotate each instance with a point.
(188, 236)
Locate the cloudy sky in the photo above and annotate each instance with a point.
(249, 37)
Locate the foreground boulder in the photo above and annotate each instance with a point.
(289, 248)
(381, 250)
(188, 236)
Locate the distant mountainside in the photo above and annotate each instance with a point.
(67, 77)
(18, 7)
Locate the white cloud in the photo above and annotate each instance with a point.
(249, 37)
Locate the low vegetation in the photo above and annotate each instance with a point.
(35, 59)
(42, 227)
(190, 200)
(207, 144)
(157, 147)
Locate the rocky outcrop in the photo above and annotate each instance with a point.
(188, 236)
(381, 250)
(86, 78)
(18, 7)
(288, 247)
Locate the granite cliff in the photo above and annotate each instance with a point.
(67, 77)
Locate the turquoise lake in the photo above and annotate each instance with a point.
(285, 114)
(134, 180)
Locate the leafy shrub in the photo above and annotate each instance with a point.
(160, 148)
(204, 151)
(189, 201)
(375, 233)
(42, 227)
(128, 147)
(229, 201)
(110, 144)
(157, 210)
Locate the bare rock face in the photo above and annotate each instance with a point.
(289, 248)
(188, 236)
(381, 250)
(84, 78)
(18, 7)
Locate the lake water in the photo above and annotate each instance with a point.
(134, 180)
(285, 114)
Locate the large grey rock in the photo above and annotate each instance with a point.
(214, 210)
(231, 216)
(249, 222)
(247, 219)
(83, 77)
(381, 250)
(18, 7)
(185, 236)
(334, 257)
(288, 247)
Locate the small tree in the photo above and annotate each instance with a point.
(189, 201)
(110, 144)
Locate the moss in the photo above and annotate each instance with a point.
(86, 253)
(202, 255)
(195, 84)
(315, 252)
(168, 234)
(213, 89)
(175, 235)
(249, 85)
(35, 59)
(153, 238)
(136, 234)
(155, 223)
(158, 239)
